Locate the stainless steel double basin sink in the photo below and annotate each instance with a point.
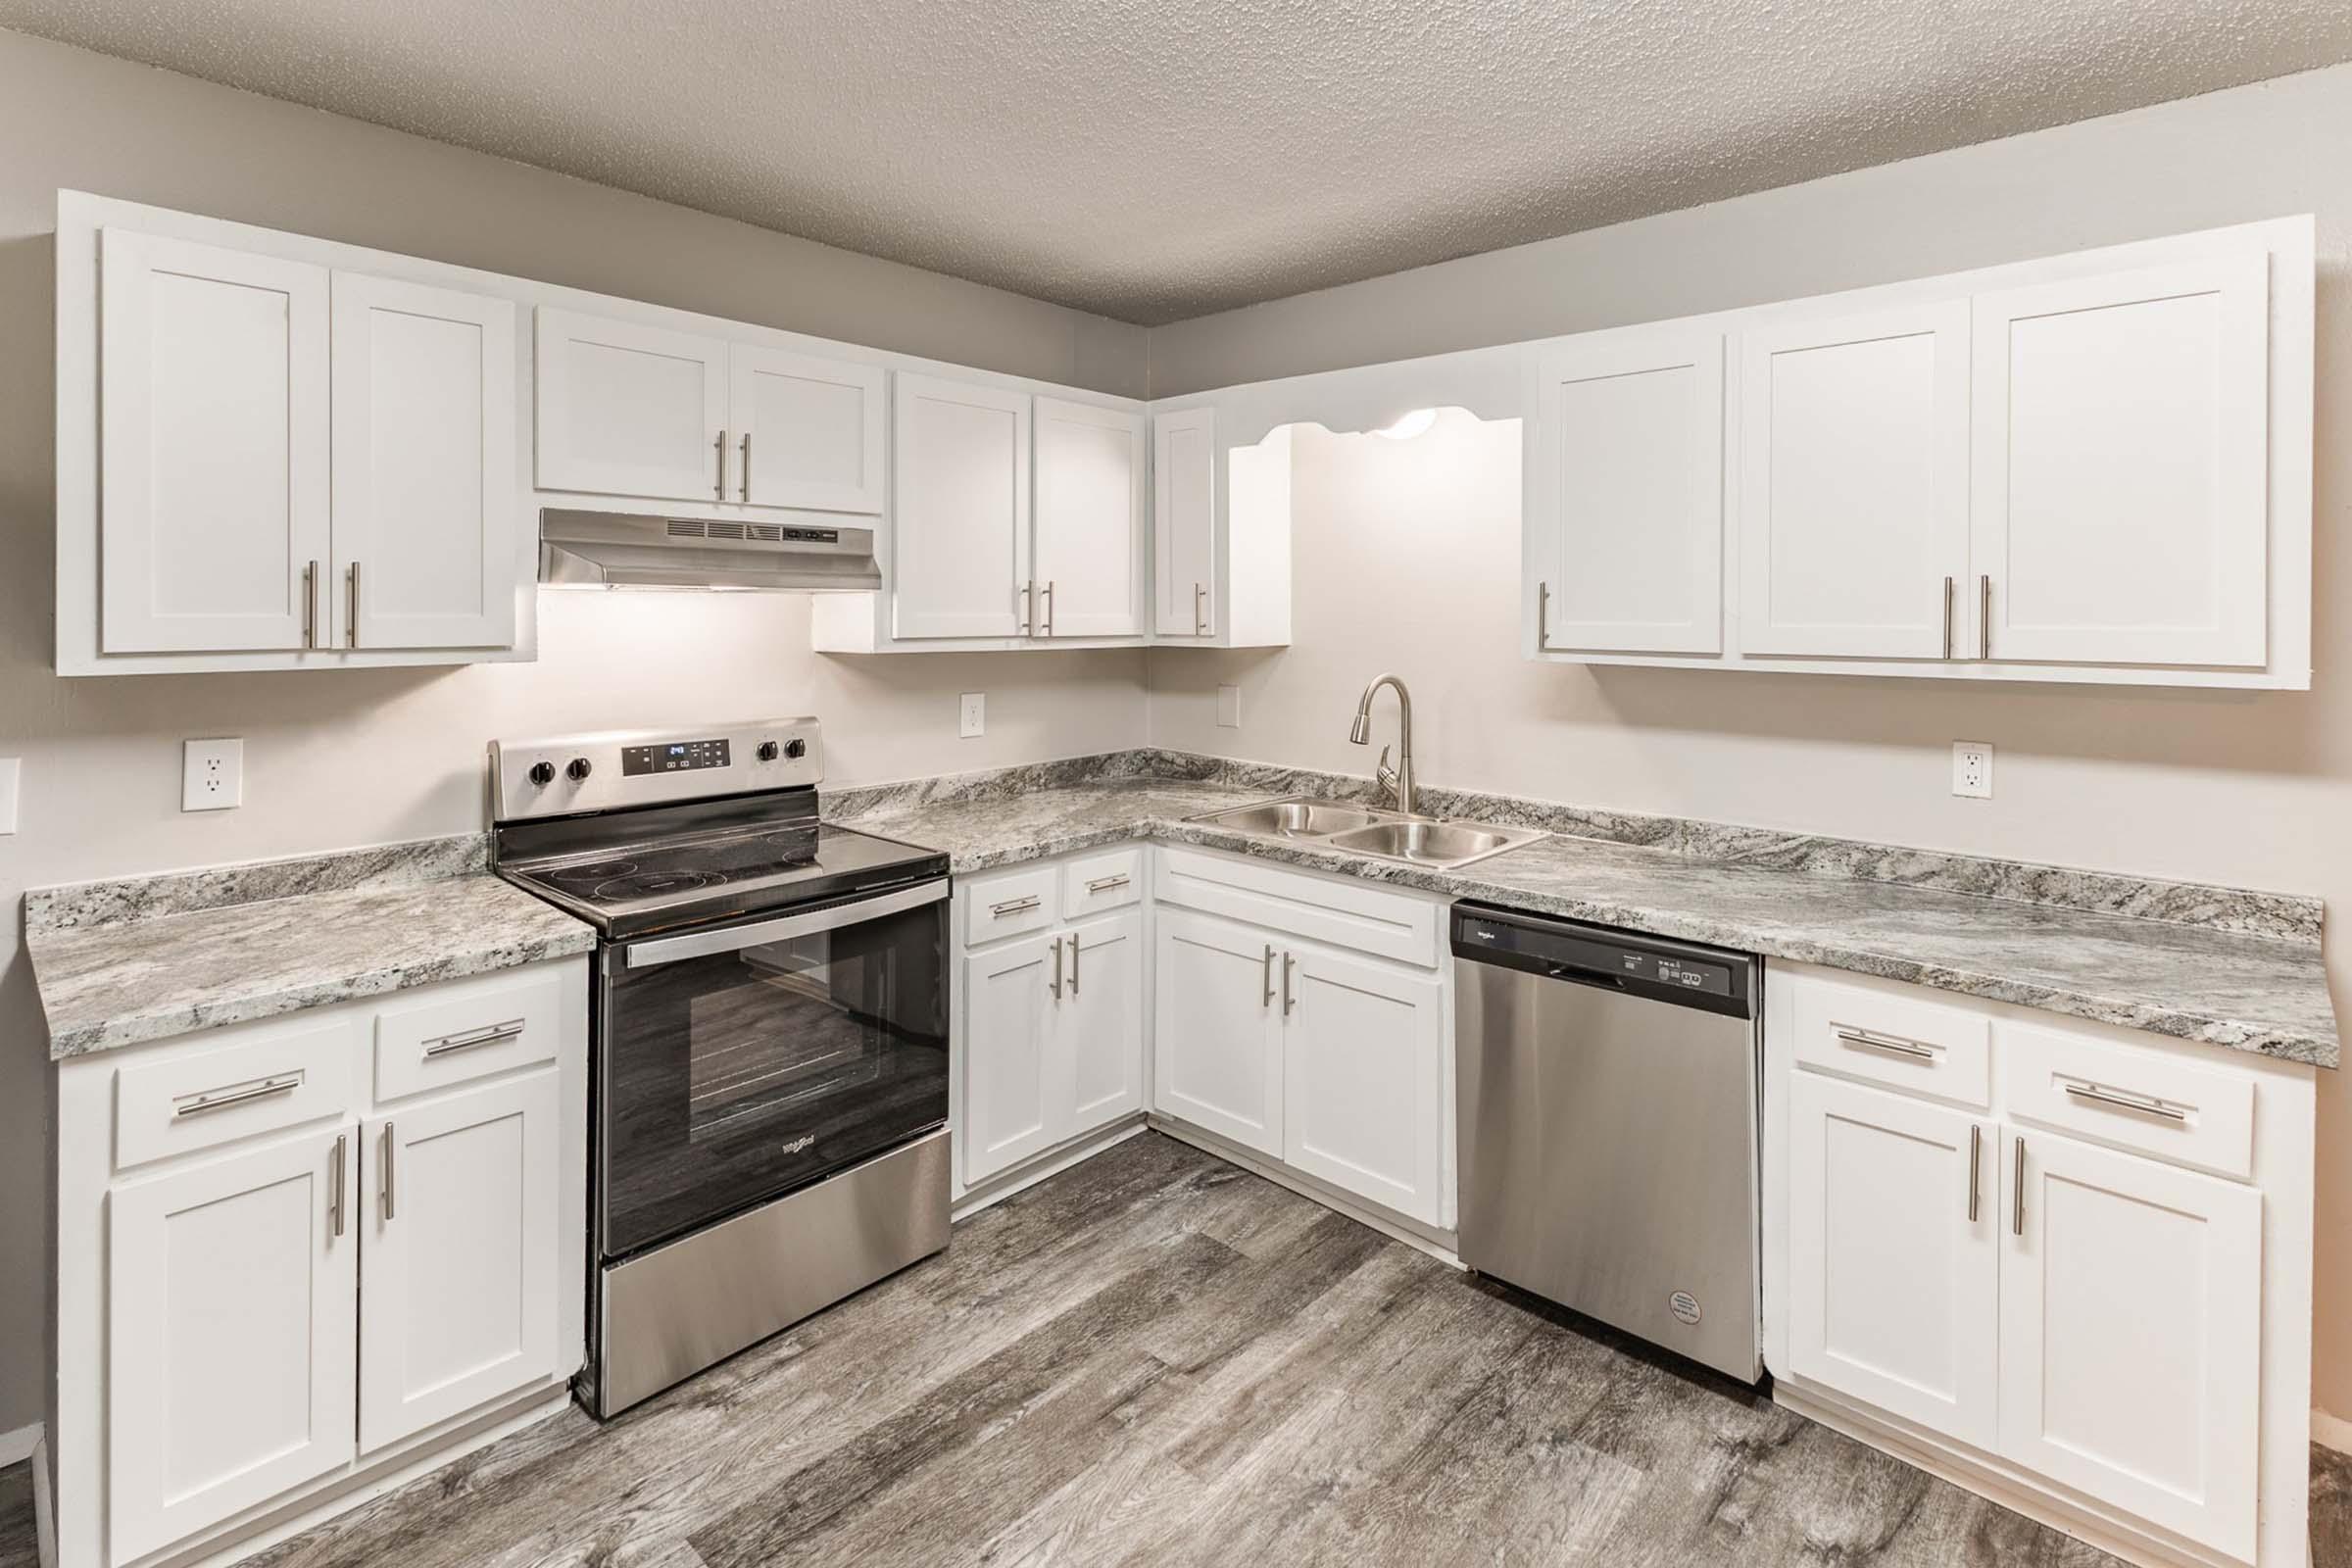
(1366, 830)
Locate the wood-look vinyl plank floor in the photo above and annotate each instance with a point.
(1155, 1359)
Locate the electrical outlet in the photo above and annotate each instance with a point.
(974, 719)
(1229, 707)
(211, 776)
(1972, 769)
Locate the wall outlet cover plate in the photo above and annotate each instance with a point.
(972, 715)
(1972, 769)
(211, 776)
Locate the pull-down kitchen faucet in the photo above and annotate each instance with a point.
(1399, 780)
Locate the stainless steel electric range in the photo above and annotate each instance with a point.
(768, 1035)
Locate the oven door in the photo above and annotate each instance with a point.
(741, 1062)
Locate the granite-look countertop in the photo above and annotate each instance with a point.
(120, 963)
(2220, 987)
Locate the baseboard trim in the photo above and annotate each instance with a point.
(2330, 1431)
(17, 1446)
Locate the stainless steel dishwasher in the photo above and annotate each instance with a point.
(1607, 1091)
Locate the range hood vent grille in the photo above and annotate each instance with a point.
(691, 528)
(610, 549)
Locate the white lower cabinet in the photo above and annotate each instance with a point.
(1102, 1019)
(1364, 1063)
(2079, 1317)
(1218, 1034)
(230, 1292)
(1008, 1094)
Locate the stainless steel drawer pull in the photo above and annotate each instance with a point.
(222, 1100)
(335, 1182)
(2017, 1193)
(384, 1174)
(474, 1037)
(998, 912)
(1901, 1048)
(1104, 884)
(1976, 1167)
(1267, 1001)
(2123, 1101)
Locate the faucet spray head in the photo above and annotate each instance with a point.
(1361, 732)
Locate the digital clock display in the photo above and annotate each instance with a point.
(673, 756)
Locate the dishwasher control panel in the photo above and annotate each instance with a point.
(1556, 950)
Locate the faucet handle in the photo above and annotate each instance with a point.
(1386, 776)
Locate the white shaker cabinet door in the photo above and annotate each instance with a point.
(1625, 494)
(630, 409)
(1102, 1020)
(1853, 484)
(1184, 524)
(2122, 467)
(959, 541)
(2131, 1334)
(1014, 1087)
(459, 1300)
(1363, 1059)
(808, 431)
(1092, 505)
(424, 487)
(213, 454)
(1216, 1038)
(1893, 1255)
(231, 1320)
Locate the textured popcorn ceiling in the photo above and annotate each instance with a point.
(1155, 161)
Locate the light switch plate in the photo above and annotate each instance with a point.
(1972, 769)
(974, 715)
(211, 776)
(12, 785)
(1229, 707)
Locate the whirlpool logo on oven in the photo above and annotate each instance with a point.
(806, 1141)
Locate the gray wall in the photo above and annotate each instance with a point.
(335, 759)
(2251, 788)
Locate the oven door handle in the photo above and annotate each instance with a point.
(734, 939)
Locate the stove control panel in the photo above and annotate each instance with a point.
(568, 774)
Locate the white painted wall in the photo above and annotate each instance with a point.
(341, 758)
(1406, 555)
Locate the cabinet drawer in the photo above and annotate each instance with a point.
(2147, 1100)
(1010, 903)
(259, 1080)
(1345, 914)
(456, 1033)
(1904, 1042)
(1111, 880)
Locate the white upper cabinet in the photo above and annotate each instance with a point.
(2122, 457)
(423, 458)
(1184, 524)
(808, 431)
(1625, 493)
(630, 409)
(960, 530)
(212, 447)
(1853, 483)
(1092, 508)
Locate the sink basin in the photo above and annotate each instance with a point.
(1438, 844)
(1291, 819)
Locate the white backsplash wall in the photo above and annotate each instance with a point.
(336, 759)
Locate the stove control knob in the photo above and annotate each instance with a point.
(543, 773)
(796, 748)
(767, 750)
(576, 769)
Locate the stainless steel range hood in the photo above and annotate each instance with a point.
(630, 550)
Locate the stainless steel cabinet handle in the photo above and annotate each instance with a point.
(719, 445)
(2139, 1102)
(1075, 949)
(1947, 618)
(1901, 1048)
(474, 1037)
(1543, 617)
(2017, 1197)
(310, 604)
(1104, 884)
(384, 1173)
(1985, 615)
(334, 1188)
(998, 912)
(1288, 963)
(1048, 606)
(1028, 595)
(1267, 1001)
(351, 621)
(744, 480)
(1976, 1167)
(237, 1097)
(1199, 622)
(1056, 985)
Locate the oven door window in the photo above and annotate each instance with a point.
(734, 1076)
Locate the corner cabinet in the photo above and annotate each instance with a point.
(274, 454)
(2094, 468)
(297, 1255)
(2071, 1261)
